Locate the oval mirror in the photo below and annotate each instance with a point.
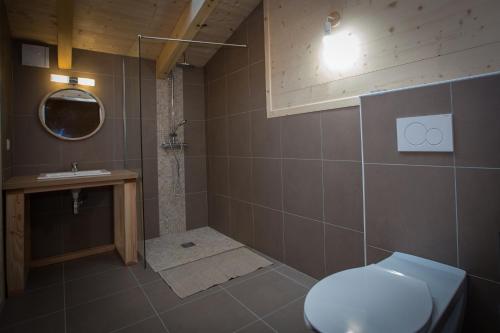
(71, 114)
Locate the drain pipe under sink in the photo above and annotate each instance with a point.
(76, 200)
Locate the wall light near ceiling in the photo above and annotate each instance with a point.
(340, 49)
(83, 81)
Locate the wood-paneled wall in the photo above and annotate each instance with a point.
(403, 43)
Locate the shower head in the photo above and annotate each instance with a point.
(182, 123)
(184, 63)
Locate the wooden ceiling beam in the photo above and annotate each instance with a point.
(188, 25)
(64, 33)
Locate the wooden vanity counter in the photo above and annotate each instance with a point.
(17, 190)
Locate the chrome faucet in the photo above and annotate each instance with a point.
(173, 133)
(74, 166)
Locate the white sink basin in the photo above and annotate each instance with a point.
(71, 174)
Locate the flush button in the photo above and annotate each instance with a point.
(425, 134)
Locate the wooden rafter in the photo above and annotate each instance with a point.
(188, 25)
(64, 33)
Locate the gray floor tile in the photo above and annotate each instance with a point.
(91, 265)
(109, 313)
(151, 325)
(163, 297)
(290, 319)
(257, 327)
(265, 293)
(98, 285)
(144, 275)
(218, 312)
(53, 323)
(32, 304)
(44, 276)
(299, 277)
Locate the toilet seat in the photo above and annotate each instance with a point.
(369, 299)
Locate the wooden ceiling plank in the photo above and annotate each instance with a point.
(187, 27)
(64, 33)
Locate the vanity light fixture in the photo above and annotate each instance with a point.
(340, 49)
(83, 81)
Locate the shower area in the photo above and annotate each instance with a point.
(174, 237)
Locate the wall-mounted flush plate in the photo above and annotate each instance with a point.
(425, 134)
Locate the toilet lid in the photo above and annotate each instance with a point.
(369, 299)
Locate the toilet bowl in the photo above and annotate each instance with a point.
(402, 293)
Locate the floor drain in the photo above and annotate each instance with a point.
(188, 244)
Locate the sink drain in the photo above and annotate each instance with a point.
(188, 244)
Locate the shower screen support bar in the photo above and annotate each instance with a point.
(168, 39)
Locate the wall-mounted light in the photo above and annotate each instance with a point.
(340, 49)
(83, 81)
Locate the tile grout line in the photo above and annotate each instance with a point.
(148, 299)
(323, 188)
(247, 308)
(282, 166)
(363, 181)
(132, 324)
(455, 182)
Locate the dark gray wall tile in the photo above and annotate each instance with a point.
(304, 245)
(218, 175)
(343, 194)
(237, 57)
(242, 222)
(195, 137)
(374, 255)
(341, 134)
(239, 135)
(267, 186)
(257, 86)
(238, 91)
(477, 124)
(194, 101)
(343, 249)
(478, 193)
(218, 213)
(483, 306)
(303, 188)
(301, 136)
(193, 76)
(196, 210)
(216, 98)
(240, 178)
(216, 67)
(379, 123)
(268, 231)
(411, 209)
(256, 34)
(266, 141)
(195, 174)
(217, 136)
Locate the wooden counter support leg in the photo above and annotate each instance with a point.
(15, 242)
(125, 216)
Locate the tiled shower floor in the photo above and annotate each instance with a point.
(99, 294)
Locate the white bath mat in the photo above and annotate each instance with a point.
(200, 275)
(167, 251)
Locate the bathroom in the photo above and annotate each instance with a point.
(263, 174)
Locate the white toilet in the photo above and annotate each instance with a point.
(402, 293)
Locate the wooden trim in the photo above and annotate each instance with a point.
(72, 255)
(30, 184)
(15, 240)
(125, 220)
(64, 33)
(188, 25)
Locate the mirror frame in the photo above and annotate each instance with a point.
(41, 114)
